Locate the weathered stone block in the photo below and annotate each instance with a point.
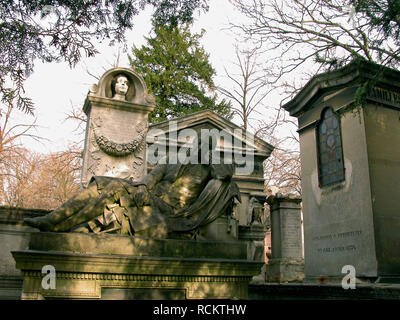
(285, 270)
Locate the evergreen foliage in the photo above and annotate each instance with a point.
(177, 71)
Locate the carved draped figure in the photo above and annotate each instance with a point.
(179, 199)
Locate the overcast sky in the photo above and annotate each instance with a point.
(55, 88)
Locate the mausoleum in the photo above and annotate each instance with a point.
(349, 131)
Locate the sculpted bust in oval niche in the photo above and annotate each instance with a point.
(119, 87)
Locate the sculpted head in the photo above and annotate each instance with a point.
(120, 86)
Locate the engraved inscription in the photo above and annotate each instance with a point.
(350, 247)
(291, 236)
(385, 95)
(338, 236)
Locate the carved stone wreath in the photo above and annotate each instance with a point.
(120, 149)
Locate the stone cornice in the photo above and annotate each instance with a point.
(280, 198)
(15, 216)
(92, 263)
(354, 73)
(115, 104)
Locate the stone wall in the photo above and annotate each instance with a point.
(13, 236)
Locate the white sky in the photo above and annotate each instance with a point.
(55, 88)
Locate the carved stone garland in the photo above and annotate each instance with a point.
(121, 149)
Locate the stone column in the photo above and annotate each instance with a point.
(286, 263)
(117, 110)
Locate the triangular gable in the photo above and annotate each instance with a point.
(209, 119)
(352, 75)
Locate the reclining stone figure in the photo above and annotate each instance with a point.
(173, 199)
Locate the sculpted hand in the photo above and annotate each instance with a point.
(141, 195)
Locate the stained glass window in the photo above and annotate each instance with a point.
(330, 154)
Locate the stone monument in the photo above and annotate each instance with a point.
(156, 252)
(167, 234)
(286, 263)
(350, 171)
(117, 109)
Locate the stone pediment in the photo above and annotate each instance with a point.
(209, 120)
(325, 86)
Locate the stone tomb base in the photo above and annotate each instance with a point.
(285, 270)
(89, 266)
